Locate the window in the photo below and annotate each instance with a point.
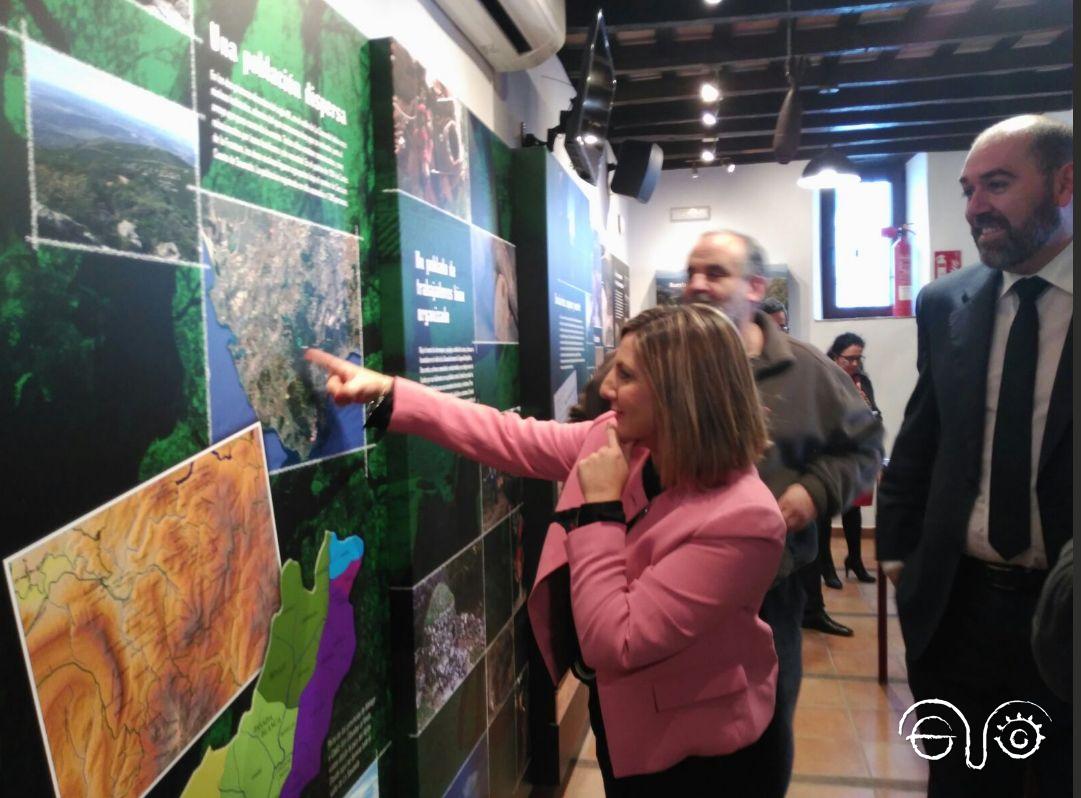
(856, 259)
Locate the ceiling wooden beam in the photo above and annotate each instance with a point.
(840, 40)
(814, 122)
(1057, 54)
(639, 14)
(870, 98)
(817, 141)
(685, 159)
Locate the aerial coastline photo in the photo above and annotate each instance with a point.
(113, 163)
(276, 285)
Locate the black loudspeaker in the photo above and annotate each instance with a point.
(638, 167)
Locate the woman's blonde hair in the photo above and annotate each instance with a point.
(708, 415)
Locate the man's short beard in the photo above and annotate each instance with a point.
(737, 308)
(1022, 243)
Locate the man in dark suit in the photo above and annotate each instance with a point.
(976, 502)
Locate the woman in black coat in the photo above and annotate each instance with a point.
(847, 352)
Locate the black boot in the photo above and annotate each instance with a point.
(822, 622)
(829, 574)
(856, 566)
(825, 558)
(852, 521)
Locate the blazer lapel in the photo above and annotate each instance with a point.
(1060, 409)
(970, 328)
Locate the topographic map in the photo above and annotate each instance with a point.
(278, 746)
(281, 284)
(144, 619)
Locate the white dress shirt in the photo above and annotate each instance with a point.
(1055, 310)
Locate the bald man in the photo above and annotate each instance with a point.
(976, 502)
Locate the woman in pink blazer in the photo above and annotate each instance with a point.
(664, 534)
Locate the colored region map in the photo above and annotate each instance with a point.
(144, 619)
(278, 745)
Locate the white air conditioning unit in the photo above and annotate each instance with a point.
(510, 34)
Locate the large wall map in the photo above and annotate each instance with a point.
(144, 619)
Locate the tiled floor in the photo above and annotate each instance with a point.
(847, 745)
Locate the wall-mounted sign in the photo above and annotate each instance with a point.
(693, 213)
(946, 261)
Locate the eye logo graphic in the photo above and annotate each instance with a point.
(1018, 737)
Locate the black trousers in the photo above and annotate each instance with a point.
(811, 574)
(980, 658)
(738, 774)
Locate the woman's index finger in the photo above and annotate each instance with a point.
(327, 361)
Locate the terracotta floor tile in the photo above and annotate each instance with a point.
(821, 693)
(589, 748)
(805, 790)
(879, 725)
(898, 668)
(894, 761)
(817, 660)
(838, 603)
(813, 642)
(833, 723)
(856, 663)
(871, 695)
(585, 782)
(822, 757)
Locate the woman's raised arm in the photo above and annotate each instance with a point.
(524, 447)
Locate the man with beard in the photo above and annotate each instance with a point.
(976, 502)
(826, 450)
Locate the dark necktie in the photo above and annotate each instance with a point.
(1011, 451)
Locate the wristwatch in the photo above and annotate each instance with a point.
(378, 411)
(591, 513)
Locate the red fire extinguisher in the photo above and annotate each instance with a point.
(902, 268)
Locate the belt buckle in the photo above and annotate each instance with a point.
(1010, 578)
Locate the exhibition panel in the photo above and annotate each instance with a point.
(218, 581)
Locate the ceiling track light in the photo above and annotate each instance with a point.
(707, 155)
(828, 169)
(713, 2)
(710, 90)
(709, 118)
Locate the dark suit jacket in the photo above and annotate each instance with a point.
(927, 491)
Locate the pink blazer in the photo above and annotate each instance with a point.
(667, 613)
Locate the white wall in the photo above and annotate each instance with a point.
(762, 201)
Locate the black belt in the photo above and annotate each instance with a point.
(1008, 578)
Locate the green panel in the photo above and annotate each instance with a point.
(114, 36)
(274, 64)
(498, 582)
(444, 745)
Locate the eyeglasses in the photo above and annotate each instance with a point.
(855, 360)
